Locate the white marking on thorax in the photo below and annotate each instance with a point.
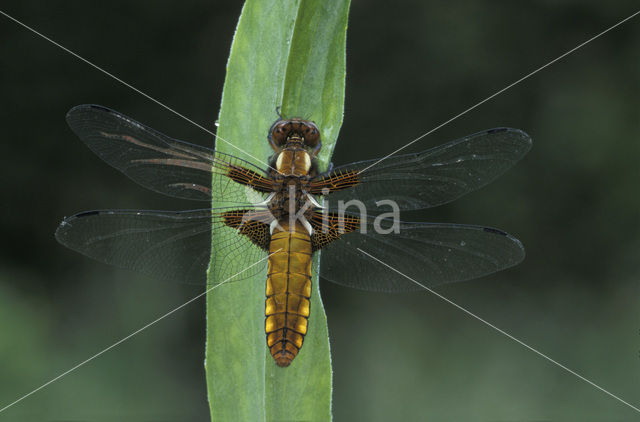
(273, 226)
(266, 201)
(315, 203)
(306, 225)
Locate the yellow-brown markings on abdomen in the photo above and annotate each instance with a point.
(288, 292)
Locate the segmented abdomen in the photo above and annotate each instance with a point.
(288, 292)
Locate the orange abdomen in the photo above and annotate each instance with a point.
(288, 292)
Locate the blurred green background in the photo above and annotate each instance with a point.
(574, 202)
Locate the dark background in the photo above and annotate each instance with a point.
(574, 202)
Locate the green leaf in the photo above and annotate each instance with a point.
(290, 55)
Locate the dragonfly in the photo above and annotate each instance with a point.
(280, 215)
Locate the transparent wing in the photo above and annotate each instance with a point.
(432, 177)
(171, 246)
(429, 253)
(154, 160)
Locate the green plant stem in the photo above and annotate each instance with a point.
(289, 54)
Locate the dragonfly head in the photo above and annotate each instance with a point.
(294, 131)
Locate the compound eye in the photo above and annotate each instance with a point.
(312, 136)
(280, 132)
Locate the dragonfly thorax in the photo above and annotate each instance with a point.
(293, 162)
(290, 198)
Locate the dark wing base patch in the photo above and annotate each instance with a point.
(330, 226)
(253, 224)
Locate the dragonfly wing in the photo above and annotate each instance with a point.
(429, 178)
(170, 246)
(156, 161)
(429, 253)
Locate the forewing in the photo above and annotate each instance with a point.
(429, 178)
(156, 161)
(170, 246)
(429, 253)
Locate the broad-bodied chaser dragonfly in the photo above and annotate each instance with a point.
(300, 211)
